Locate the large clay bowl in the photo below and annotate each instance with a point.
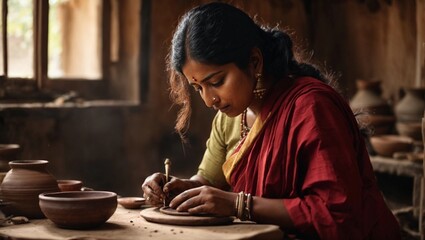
(79, 209)
(387, 145)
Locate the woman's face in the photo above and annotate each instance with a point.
(225, 88)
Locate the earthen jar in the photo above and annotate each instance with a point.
(368, 98)
(375, 112)
(8, 152)
(22, 185)
(411, 107)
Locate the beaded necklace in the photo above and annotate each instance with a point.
(244, 125)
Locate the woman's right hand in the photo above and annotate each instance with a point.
(152, 189)
(156, 189)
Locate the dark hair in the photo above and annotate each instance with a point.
(219, 33)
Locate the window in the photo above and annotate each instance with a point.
(53, 47)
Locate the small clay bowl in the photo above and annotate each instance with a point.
(70, 185)
(131, 202)
(387, 145)
(79, 209)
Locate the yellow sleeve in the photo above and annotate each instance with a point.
(224, 136)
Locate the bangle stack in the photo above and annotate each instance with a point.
(243, 205)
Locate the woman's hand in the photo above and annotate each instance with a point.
(152, 189)
(206, 199)
(156, 189)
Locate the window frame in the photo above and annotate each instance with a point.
(40, 84)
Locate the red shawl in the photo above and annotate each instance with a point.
(306, 148)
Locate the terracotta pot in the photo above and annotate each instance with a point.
(375, 111)
(22, 185)
(8, 152)
(411, 107)
(368, 98)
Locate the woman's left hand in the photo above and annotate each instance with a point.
(206, 199)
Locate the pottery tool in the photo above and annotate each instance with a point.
(167, 165)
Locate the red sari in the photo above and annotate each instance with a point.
(306, 149)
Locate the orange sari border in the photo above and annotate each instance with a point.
(230, 163)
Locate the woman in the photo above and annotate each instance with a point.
(283, 141)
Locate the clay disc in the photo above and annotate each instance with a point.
(172, 211)
(131, 202)
(154, 215)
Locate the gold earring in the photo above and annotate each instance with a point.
(259, 90)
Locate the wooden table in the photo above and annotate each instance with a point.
(413, 169)
(404, 167)
(128, 224)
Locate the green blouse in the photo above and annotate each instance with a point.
(224, 137)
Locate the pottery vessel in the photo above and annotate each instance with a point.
(8, 152)
(368, 98)
(22, 185)
(387, 145)
(70, 185)
(411, 107)
(79, 209)
(375, 112)
(132, 202)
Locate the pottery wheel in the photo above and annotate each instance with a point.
(155, 215)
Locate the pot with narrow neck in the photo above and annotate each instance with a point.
(371, 109)
(22, 185)
(411, 107)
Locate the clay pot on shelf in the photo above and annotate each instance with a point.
(375, 111)
(22, 185)
(411, 107)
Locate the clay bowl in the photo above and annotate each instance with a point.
(387, 145)
(79, 209)
(70, 185)
(131, 202)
